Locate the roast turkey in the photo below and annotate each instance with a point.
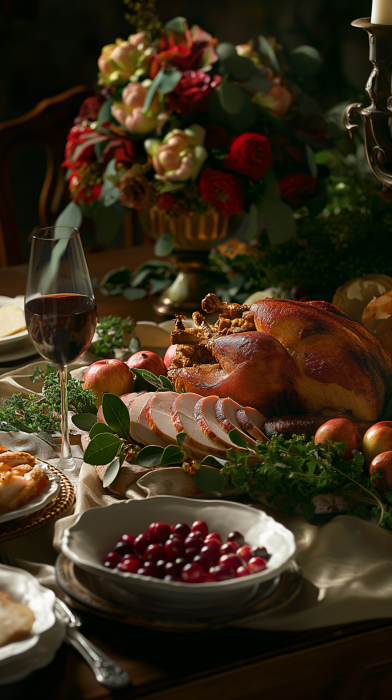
(294, 357)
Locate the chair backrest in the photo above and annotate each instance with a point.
(48, 125)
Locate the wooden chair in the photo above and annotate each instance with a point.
(48, 125)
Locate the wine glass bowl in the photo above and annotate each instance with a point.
(60, 307)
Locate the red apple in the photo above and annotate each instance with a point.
(170, 355)
(145, 359)
(382, 463)
(108, 376)
(339, 430)
(376, 440)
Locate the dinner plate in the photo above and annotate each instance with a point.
(11, 340)
(45, 497)
(27, 349)
(91, 593)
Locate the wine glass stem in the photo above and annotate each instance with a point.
(66, 459)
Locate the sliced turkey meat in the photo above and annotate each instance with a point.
(226, 410)
(252, 421)
(157, 410)
(139, 429)
(204, 413)
(182, 415)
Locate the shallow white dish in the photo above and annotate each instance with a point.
(23, 350)
(25, 589)
(96, 531)
(45, 497)
(13, 340)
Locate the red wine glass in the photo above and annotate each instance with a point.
(60, 308)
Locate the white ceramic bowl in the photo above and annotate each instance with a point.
(25, 589)
(97, 530)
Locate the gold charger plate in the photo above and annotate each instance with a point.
(57, 507)
(83, 589)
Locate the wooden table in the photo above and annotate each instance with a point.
(352, 662)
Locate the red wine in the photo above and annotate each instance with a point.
(61, 325)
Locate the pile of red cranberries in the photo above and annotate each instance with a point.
(187, 554)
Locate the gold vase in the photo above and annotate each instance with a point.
(193, 234)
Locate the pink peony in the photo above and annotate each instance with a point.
(179, 156)
(130, 112)
(120, 61)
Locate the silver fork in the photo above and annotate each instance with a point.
(106, 671)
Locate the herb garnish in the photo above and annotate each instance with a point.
(110, 331)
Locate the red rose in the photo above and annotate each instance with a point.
(294, 186)
(80, 147)
(192, 92)
(123, 150)
(224, 191)
(215, 137)
(90, 108)
(250, 154)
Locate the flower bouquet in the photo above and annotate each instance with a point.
(188, 132)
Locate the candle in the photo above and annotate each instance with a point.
(381, 12)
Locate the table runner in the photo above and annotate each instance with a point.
(347, 563)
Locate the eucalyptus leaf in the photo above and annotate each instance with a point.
(109, 193)
(240, 68)
(70, 216)
(150, 456)
(267, 50)
(104, 115)
(133, 293)
(306, 61)
(117, 278)
(311, 160)
(251, 231)
(99, 149)
(279, 221)
(99, 428)
(158, 285)
(172, 454)
(213, 461)
(231, 97)
(102, 449)
(226, 50)
(148, 377)
(181, 438)
(271, 187)
(108, 222)
(116, 414)
(257, 83)
(111, 167)
(152, 90)
(177, 24)
(84, 421)
(134, 345)
(141, 276)
(210, 480)
(165, 244)
(238, 440)
(246, 118)
(112, 471)
(169, 81)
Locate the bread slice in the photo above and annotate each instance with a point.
(16, 620)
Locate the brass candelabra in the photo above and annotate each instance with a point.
(375, 117)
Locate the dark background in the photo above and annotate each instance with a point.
(47, 46)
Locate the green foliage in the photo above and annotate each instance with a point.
(110, 331)
(146, 379)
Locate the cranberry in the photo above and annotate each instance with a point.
(190, 552)
(242, 571)
(208, 578)
(192, 573)
(124, 548)
(141, 543)
(230, 560)
(132, 566)
(174, 548)
(236, 537)
(158, 532)
(154, 552)
(213, 543)
(149, 569)
(260, 552)
(180, 562)
(128, 538)
(214, 536)
(199, 527)
(256, 564)
(234, 544)
(111, 560)
(211, 552)
(181, 529)
(160, 567)
(176, 537)
(168, 577)
(221, 573)
(244, 552)
(228, 548)
(205, 562)
(172, 528)
(172, 568)
(133, 555)
(194, 540)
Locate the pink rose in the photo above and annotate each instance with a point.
(179, 156)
